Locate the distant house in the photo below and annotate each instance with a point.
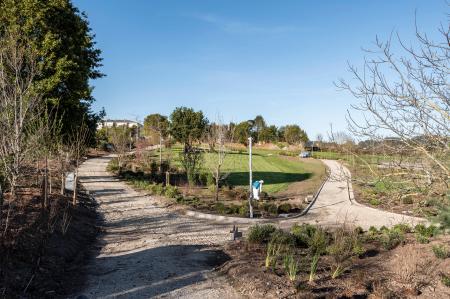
(109, 123)
(312, 146)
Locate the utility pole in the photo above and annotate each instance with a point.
(250, 176)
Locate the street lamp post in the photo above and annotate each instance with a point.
(250, 197)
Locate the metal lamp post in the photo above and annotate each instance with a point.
(250, 197)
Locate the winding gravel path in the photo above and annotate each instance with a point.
(148, 251)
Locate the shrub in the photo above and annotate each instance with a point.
(445, 279)
(303, 233)
(391, 238)
(158, 189)
(422, 239)
(241, 194)
(358, 230)
(318, 242)
(374, 202)
(260, 233)
(403, 227)
(219, 207)
(234, 209)
(286, 239)
(244, 209)
(441, 251)
(428, 232)
(171, 191)
(284, 208)
(443, 218)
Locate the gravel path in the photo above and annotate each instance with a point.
(148, 251)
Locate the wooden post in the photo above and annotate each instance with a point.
(167, 178)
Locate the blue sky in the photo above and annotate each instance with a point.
(238, 59)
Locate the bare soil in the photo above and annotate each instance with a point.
(39, 258)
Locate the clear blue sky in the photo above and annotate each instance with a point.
(242, 58)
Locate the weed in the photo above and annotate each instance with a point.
(260, 233)
(220, 207)
(422, 239)
(441, 251)
(244, 209)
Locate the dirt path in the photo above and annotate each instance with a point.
(149, 251)
(336, 205)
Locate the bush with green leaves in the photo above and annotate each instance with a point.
(284, 208)
(390, 239)
(424, 233)
(445, 279)
(403, 227)
(443, 217)
(279, 236)
(244, 209)
(158, 189)
(171, 191)
(318, 242)
(220, 207)
(260, 233)
(303, 233)
(441, 251)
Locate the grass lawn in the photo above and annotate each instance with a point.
(276, 171)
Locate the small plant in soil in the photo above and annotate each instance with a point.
(441, 251)
(390, 239)
(313, 269)
(291, 266)
(445, 279)
(343, 247)
(273, 252)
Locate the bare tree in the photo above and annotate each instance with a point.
(120, 139)
(406, 97)
(19, 105)
(217, 137)
(78, 148)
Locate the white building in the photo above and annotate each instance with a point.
(109, 123)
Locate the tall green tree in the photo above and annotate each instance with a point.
(293, 134)
(66, 52)
(188, 126)
(242, 131)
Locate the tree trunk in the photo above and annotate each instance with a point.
(63, 183)
(75, 180)
(1, 203)
(217, 185)
(46, 183)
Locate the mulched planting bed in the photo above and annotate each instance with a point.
(43, 251)
(408, 270)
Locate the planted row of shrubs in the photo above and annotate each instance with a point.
(341, 245)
